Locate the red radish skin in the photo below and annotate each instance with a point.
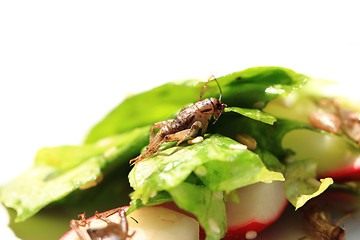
(345, 173)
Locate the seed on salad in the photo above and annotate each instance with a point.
(247, 140)
(350, 124)
(198, 139)
(325, 121)
(250, 235)
(238, 146)
(259, 105)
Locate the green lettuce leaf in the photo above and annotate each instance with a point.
(250, 88)
(255, 114)
(255, 87)
(221, 163)
(61, 170)
(301, 184)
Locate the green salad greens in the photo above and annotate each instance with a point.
(194, 176)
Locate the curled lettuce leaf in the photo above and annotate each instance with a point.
(301, 184)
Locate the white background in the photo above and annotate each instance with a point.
(65, 64)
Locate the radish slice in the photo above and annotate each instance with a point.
(152, 223)
(162, 223)
(335, 157)
(260, 205)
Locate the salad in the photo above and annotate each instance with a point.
(280, 139)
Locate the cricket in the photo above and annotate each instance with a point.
(319, 223)
(112, 230)
(186, 124)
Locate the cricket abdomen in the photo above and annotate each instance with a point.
(183, 120)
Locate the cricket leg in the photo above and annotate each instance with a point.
(122, 215)
(150, 149)
(76, 224)
(123, 221)
(182, 135)
(109, 213)
(157, 126)
(205, 87)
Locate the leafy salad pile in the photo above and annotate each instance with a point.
(198, 177)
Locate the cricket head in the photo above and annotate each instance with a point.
(218, 108)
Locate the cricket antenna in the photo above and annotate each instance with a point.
(218, 86)
(205, 87)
